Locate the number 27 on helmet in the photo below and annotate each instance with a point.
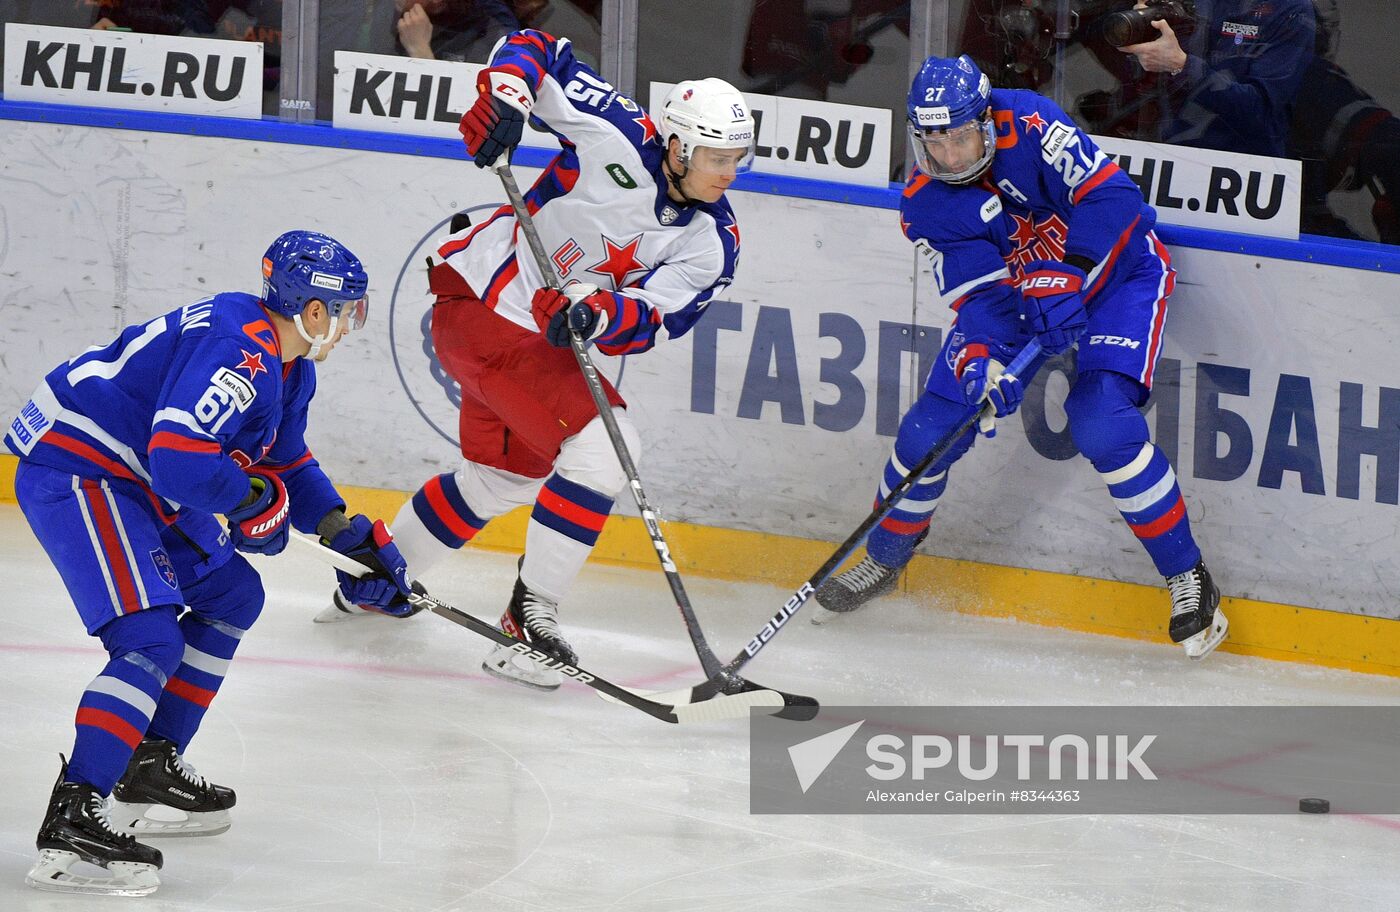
(950, 121)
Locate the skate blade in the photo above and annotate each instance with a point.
(1202, 644)
(52, 873)
(148, 821)
(510, 666)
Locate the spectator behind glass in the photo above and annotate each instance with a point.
(461, 30)
(232, 20)
(800, 48)
(1231, 83)
(155, 17)
(1346, 139)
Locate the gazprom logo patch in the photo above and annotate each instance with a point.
(321, 280)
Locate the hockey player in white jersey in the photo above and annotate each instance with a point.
(634, 217)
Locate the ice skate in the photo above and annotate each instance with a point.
(161, 795)
(847, 591)
(76, 833)
(1197, 622)
(532, 619)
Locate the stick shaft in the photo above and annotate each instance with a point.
(708, 660)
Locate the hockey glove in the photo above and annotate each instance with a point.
(495, 123)
(386, 589)
(983, 378)
(259, 524)
(576, 308)
(1052, 303)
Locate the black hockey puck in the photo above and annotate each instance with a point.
(1314, 805)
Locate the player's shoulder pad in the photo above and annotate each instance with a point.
(1026, 116)
(243, 339)
(533, 53)
(933, 211)
(590, 93)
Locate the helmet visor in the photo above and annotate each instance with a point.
(353, 311)
(957, 155)
(721, 162)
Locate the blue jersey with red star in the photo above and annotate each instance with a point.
(601, 210)
(1049, 194)
(181, 405)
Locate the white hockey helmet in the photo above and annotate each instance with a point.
(708, 113)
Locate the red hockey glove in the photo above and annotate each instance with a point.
(578, 308)
(496, 122)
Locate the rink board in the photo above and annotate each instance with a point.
(765, 429)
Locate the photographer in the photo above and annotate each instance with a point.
(1230, 83)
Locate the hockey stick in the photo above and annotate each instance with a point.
(721, 706)
(719, 681)
(1019, 365)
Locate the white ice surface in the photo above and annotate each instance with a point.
(377, 768)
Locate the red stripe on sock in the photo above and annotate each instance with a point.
(187, 691)
(574, 513)
(112, 724)
(444, 512)
(1162, 523)
(900, 527)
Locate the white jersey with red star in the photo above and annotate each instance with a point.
(601, 210)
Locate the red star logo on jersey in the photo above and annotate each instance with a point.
(252, 363)
(620, 262)
(1024, 235)
(1034, 121)
(733, 230)
(648, 128)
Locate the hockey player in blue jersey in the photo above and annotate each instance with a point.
(634, 216)
(126, 453)
(1033, 231)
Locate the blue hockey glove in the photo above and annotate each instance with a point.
(496, 122)
(1052, 303)
(983, 378)
(259, 524)
(386, 589)
(579, 308)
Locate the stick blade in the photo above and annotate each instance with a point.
(711, 701)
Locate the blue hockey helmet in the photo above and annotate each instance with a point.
(949, 103)
(302, 266)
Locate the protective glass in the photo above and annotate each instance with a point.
(967, 149)
(721, 162)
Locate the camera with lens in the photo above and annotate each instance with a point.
(1134, 26)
